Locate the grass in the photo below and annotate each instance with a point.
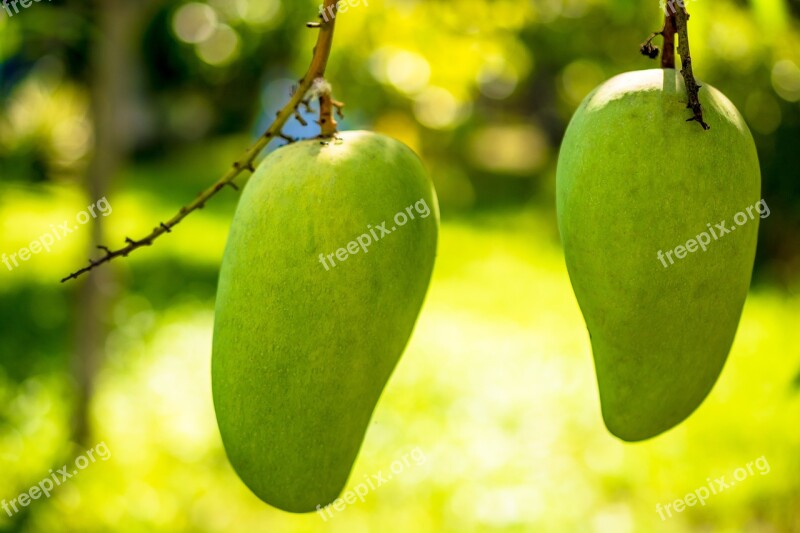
(496, 389)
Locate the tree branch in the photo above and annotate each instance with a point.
(676, 22)
(692, 88)
(316, 70)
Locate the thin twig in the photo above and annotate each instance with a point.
(676, 23)
(692, 87)
(668, 33)
(316, 70)
(299, 117)
(339, 108)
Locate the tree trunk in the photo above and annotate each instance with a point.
(110, 89)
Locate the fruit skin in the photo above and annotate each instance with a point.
(635, 178)
(301, 354)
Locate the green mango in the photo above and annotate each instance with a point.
(310, 326)
(634, 182)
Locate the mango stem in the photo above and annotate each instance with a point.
(676, 22)
(692, 87)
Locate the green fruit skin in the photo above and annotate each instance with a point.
(634, 178)
(301, 354)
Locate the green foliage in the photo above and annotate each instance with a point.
(308, 327)
(661, 322)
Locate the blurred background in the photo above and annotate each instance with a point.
(147, 102)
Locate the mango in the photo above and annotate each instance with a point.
(661, 283)
(326, 267)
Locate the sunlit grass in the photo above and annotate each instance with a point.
(496, 388)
